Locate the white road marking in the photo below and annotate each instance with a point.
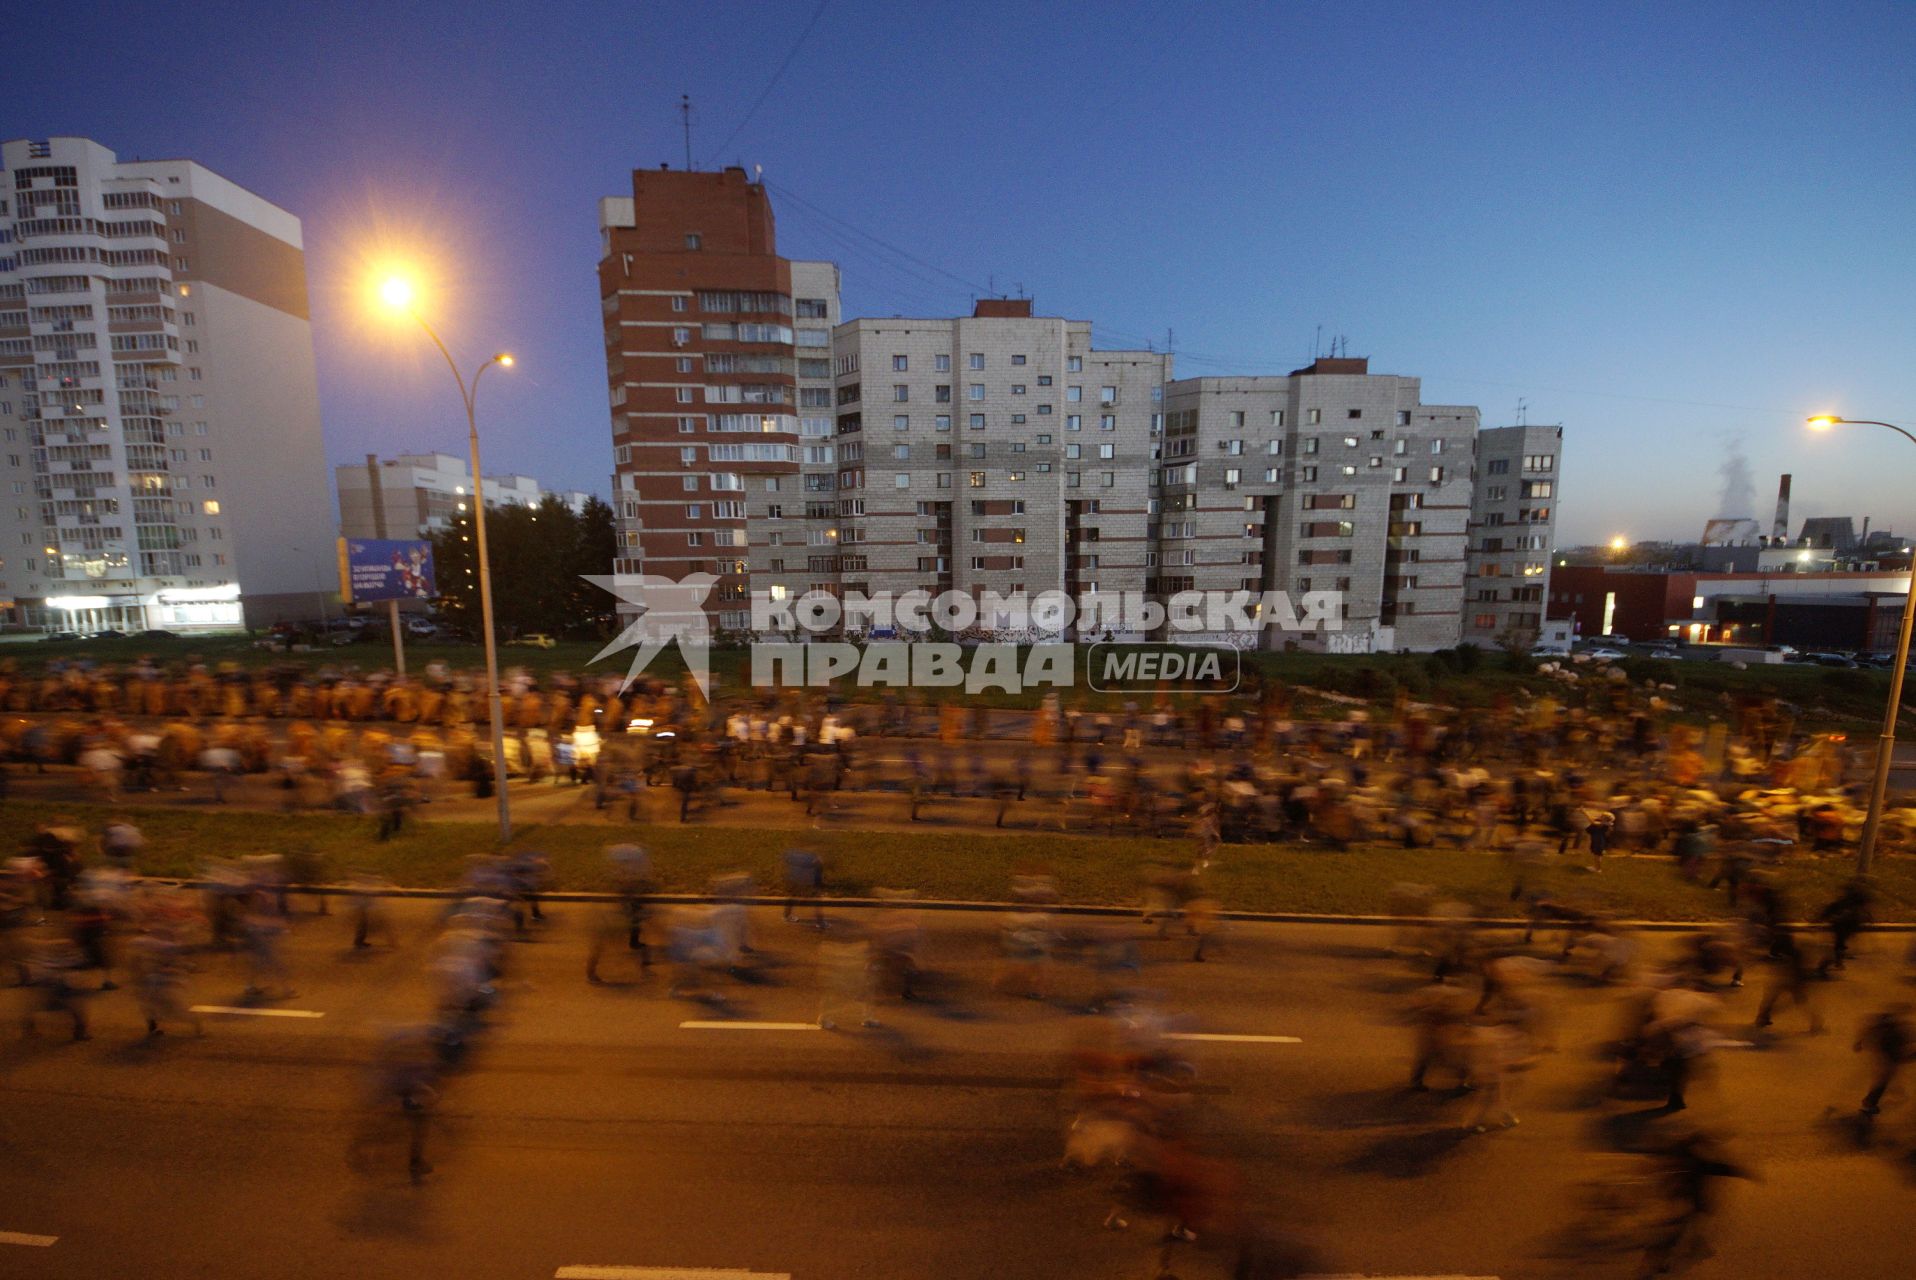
(1228, 1039)
(239, 1011)
(747, 1026)
(665, 1273)
(30, 1241)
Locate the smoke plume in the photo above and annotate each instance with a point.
(1737, 499)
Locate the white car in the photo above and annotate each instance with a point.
(1603, 655)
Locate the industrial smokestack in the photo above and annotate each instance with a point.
(1782, 530)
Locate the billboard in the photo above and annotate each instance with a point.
(386, 569)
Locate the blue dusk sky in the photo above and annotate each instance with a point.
(1676, 229)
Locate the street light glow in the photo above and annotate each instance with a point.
(397, 293)
(1823, 421)
(1619, 543)
(505, 359)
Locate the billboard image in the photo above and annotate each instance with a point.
(386, 569)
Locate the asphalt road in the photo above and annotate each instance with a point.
(593, 1129)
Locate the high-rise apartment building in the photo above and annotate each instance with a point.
(163, 465)
(1513, 525)
(993, 452)
(1330, 479)
(712, 343)
(761, 438)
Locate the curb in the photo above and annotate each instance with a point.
(1064, 909)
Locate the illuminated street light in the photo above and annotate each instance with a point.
(397, 293)
(1886, 744)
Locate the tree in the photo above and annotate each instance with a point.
(539, 556)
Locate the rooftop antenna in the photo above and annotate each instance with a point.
(1170, 341)
(1317, 340)
(1523, 407)
(685, 118)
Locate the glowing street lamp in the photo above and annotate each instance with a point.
(1886, 744)
(397, 293)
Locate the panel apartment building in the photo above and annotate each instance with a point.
(760, 438)
(163, 465)
(1513, 527)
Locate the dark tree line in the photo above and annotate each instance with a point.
(538, 556)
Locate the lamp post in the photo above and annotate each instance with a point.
(1886, 744)
(397, 293)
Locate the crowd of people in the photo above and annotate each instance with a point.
(1732, 806)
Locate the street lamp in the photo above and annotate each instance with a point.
(1886, 745)
(398, 294)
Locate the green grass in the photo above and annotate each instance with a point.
(953, 865)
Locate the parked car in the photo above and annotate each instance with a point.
(108, 634)
(534, 640)
(421, 627)
(63, 635)
(1830, 660)
(158, 633)
(1605, 654)
(1660, 649)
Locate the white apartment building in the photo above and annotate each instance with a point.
(416, 495)
(159, 419)
(1513, 526)
(1330, 479)
(993, 452)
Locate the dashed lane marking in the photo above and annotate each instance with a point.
(722, 1025)
(240, 1011)
(665, 1273)
(1221, 1038)
(30, 1241)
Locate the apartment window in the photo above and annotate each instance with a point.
(1436, 475)
(900, 391)
(1108, 479)
(976, 391)
(1044, 438)
(1400, 475)
(942, 422)
(1107, 451)
(678, 302)
(978, 450)
(1074, 451)
(1072, 479)
(1232, 476)
(688, 425)
(694, 511)
(977, 360)
(901, 480)
(692, 240)
(1307, 474)
(899, 364)
(901, 452)
(688, 454)
(1015, 476)
(1350, 442)
(1354, 413)
(1073, 422)
(689, 484)
(1108, 422)
(681, 336)
(1073, 395)
(1403, 417)
(941, 364)
(1044, 379)
(1074, 364)
(1347, 470)
(977, 479)
(1436, 447)
(182, 264)
(1375, 461)
(194, 375)
(1497, 467)
(1017, 388)
(1043, 467)
(1270, 475)
(977, 422)
(685, 395)
(942, 393)
(1310, 445)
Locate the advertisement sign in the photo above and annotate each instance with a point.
(386, 569)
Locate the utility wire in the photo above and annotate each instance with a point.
(777, 75)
